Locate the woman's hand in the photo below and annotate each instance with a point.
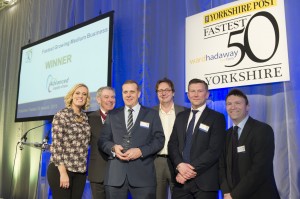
(64, 178)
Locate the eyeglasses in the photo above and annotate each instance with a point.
(163, 91)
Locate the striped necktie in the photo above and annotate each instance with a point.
(130, 120)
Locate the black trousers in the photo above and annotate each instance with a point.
(190, 190)
(123, 191)
(98, 190)
(76, 188)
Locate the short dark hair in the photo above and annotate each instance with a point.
(197, 81)
(167, 81)
(239, 93)
(132, 82)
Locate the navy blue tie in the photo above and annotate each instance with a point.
(188, 138)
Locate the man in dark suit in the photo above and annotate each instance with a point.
(132, 135)
(97, 163)
(246, 166)
(167, 112)
(195, 145)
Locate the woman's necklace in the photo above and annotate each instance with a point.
(78, 118)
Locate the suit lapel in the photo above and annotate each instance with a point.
(178, 109)
(121, 117)
(204, 114)
(100, 118)
(139, 118)
(245, 133)
(229, 152)
(246, 130)
(185, 120)
(156, 108)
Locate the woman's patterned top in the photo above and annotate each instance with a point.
(70, 140)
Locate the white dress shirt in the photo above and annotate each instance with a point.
(167, 120)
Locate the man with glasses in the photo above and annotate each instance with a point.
(167, 113)
(195, 145)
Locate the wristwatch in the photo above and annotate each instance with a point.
(113, 151)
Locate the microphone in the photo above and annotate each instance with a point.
(21, 145)
(45, 145)
(45, 140)
(39, 145)
(24, 137)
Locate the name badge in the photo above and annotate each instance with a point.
(204, 127)
(241, 149)
(144, 124)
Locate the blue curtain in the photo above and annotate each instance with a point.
(149, 44)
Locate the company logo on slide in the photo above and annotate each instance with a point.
(56, 84)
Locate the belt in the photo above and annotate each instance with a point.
(162, 155)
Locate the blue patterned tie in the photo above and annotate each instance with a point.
(188, 138)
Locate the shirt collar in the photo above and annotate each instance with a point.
(103, 111)
(201, 108)
(136, 108)
(172, 108)
(243, 122)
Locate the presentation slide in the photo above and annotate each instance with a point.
(50, 68)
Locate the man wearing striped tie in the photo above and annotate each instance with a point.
(132, 135)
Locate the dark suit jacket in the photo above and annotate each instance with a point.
(255, 163)
(140, 172)
(98, 159)
(177, 108)
(206, 146)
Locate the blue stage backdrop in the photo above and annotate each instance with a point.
(149, 44)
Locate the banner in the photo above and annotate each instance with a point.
(237, 44)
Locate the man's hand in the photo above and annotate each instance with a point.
(227, 196)
(186, 170)
(133, 154)
(180, 179)
(130, 154)
(118, 152)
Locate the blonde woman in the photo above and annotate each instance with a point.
(70, 140)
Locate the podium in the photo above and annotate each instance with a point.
(31, 164)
